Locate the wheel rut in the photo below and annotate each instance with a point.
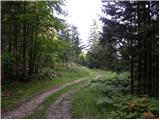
(61, 108)
(26, 108)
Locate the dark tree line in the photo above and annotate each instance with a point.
(129, 41)
(31, 40)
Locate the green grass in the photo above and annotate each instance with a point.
(40, 111)
(99, 99)
(83, 106)
(84, 101)
(25, 91)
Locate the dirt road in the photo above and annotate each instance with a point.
(26, 108)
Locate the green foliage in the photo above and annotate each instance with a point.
(111, 100)
(111, 83)
(47, 72)
(7, 59)
(83, 103)
(128, 43)
(53, 51)
(104, 102)
(22, 93)
(32, 38)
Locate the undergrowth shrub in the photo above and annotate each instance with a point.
(111, 83)
(115, 102)
(104, 102)
(48, 72)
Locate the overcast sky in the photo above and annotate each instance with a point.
(81, 13)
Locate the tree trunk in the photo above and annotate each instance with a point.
(24, 44)
(139, 50)
(31, 52)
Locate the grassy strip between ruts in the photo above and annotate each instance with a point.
(84, 105)
(40, 111)
(26, 91)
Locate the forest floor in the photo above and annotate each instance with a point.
(27, 108)
(100, 95)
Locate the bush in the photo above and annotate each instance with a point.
(113, 103)
(104, 102)
(111, 83)
(48, 72)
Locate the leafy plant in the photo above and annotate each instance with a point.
(113, 103)
(104, 102)
(149, 115)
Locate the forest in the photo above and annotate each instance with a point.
(46, 71)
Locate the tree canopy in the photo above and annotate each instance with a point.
(129, 42)
(34, 37)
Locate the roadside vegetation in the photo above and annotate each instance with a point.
(41, 49)
(15, 92)
(108, 97)
(41, 111)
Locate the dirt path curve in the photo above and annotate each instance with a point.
(61, 108)
(26, 108)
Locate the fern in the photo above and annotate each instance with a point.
(104, 102)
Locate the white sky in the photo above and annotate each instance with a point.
(81, 13)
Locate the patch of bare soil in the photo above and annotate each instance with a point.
(61, 108)
(26, 108)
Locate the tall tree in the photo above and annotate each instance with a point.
(93, 43)
(26, 25)
(126, 39)
(75, 41)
